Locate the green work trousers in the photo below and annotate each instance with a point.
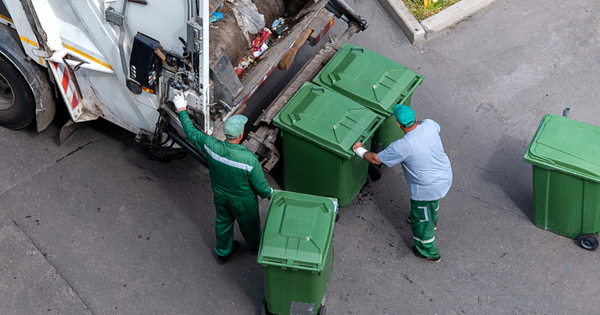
(423, 215)
(246, 213)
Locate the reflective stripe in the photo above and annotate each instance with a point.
(32, 43)
(68, 87)
(425, 213)
(226, 161)
(88, 56)
(6, 18)
(425, 242)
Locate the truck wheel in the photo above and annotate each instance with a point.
(17, 105)
(164, 155)
(587, 241)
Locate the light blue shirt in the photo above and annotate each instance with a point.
(426, 166)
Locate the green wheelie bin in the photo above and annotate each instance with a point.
(565, 158)
(296, 253)
(318, 129)
(374, 81)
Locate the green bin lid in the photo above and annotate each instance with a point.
(297, 231)
(566, 145)
(327, 119)
(369, 78)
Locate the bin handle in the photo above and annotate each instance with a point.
(546, 160)
(294, 117)
(334, 77)
(411, 88)
(369, 129)
(318, 89)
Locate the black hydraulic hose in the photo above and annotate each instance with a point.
(195, 152)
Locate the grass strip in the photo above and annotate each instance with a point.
(420, 12)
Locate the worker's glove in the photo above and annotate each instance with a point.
(273, 192)
(180, 102)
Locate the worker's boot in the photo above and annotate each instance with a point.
(222, 259)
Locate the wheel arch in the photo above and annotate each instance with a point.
(37, 77)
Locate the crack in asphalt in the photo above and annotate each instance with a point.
(54, 267)
(46, 167)
(74, 151)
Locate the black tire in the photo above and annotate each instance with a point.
(374, 172)
(322, 310)
(17, 104)
(163, 155)
(587, 241)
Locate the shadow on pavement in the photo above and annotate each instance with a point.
(511, 174)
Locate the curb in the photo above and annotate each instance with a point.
(418, 32)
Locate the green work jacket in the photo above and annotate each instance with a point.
(235, 172)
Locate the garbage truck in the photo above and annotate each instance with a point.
(125, 60)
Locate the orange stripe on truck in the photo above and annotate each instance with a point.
(34, 44)
(6, 18)
(87, 56)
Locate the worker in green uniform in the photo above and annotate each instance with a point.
(236, 178)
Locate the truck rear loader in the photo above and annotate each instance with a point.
(125, 60)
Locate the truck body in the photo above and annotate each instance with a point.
(125, 60)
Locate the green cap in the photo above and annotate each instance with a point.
(234, 126)
(405, 116)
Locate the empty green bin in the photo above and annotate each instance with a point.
(565, 155)
(296, 252)
(372, 80)
(318, 129)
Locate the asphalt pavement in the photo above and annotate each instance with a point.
(93, 227)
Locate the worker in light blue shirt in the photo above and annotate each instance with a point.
(427, 172)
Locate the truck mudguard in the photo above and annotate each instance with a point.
(35, 76)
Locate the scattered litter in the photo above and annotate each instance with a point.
(276, 23)
(258, 51)
(245, 62)
(279, 26)
(215, 17)
(260, 39)
(240, 72)
(248, 18)
(258, 46)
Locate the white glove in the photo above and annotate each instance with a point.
(361, 152)
(180, 102)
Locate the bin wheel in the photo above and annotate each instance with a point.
(588, 241)
(322, 310)
(374, 172)
(263, 308)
